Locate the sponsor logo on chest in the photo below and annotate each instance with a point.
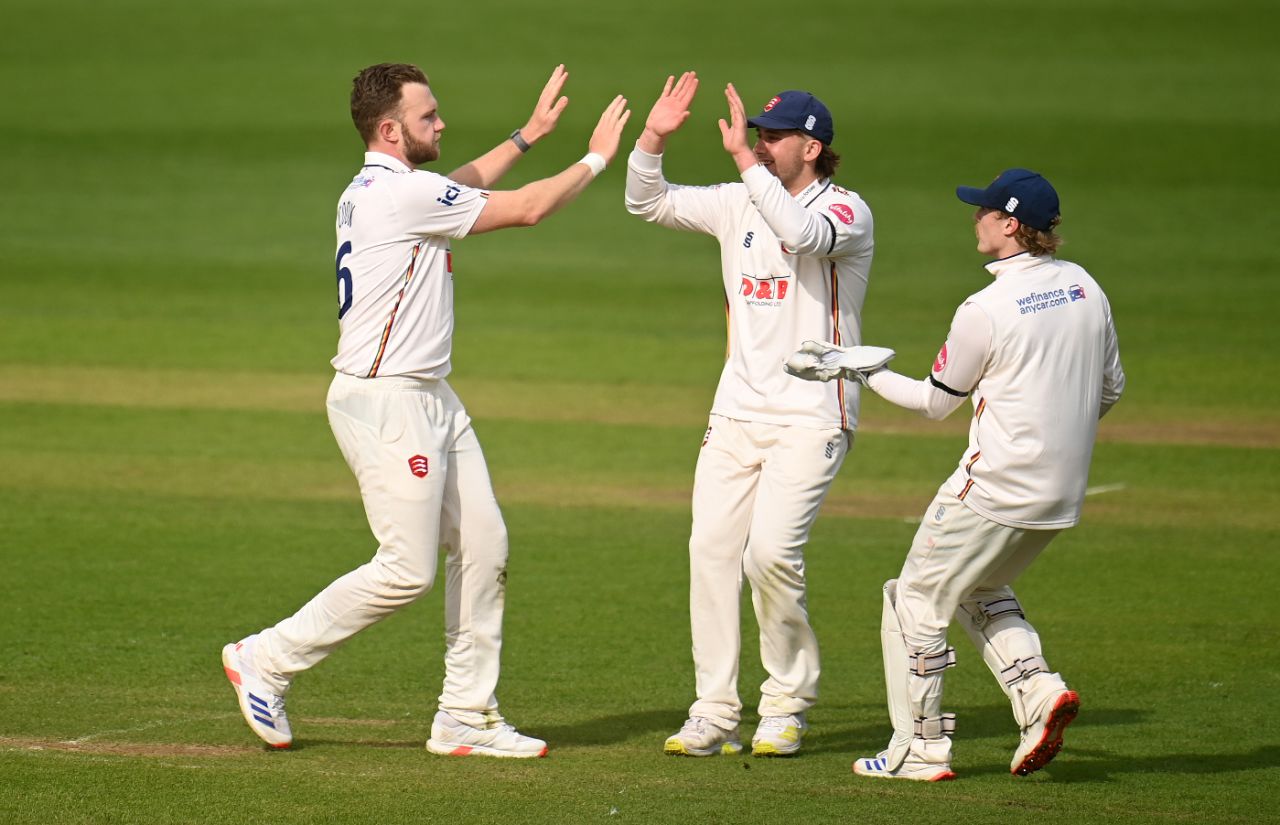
(770, 290)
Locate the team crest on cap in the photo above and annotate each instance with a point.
(808, 124)
(1011, 205)
(418, 465)
(772, 103)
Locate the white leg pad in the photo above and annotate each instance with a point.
(913, 683)
(1011, 648)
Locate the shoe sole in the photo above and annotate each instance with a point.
(768, 749)
(233, 676)
(454, 749)
(674, 747)
(944, 776)
(1063, 714)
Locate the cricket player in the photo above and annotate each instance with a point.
(401, 428)
(795, 253)
(1036, 351)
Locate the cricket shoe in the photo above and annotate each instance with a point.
(778, 735)
(260, 705)
(451, 737)
(702, 737)
(919, 770)
(1043, 739)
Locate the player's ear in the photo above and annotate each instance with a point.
(812, 149)
(1011, 225)
(389, 130)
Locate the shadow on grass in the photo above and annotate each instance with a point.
(607, 730)
(1096, 765)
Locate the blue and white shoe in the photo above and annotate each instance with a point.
(261, 706)
(877, 767)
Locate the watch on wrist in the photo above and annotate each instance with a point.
(519, 141)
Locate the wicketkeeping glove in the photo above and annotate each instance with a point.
(816, 361)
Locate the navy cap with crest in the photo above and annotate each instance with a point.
(1020, 192)
(797, 110)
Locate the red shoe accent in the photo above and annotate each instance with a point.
(944, 777)
(461, 750)
(232, 675)
(1063, 714)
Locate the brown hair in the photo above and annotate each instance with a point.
(1037, 241)
(375, 94)
(827, 163)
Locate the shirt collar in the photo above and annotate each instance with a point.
(1017, 262)
(380, 159)
(811, 190)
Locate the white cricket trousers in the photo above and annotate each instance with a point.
(425, 484)
(957, 557)
(961, 564)
(756, 494)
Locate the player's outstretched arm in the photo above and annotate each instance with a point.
(531, 203)
(669, 112)
(488, 169)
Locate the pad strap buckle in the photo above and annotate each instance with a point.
(925, 664)
(988, 612)
(935, 727)
(1023, 669)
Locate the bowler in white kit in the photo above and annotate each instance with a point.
(403, 431)
(1037, 354)
(795, 252)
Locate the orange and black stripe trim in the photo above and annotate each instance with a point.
(386, 331)
(967, 485)
(982, 405)
(728, 328)
(834, 280)
(973, 459)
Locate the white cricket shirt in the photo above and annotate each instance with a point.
(1038, 350)
(395, 270)
(794, 269)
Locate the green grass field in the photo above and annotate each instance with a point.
(168, 482)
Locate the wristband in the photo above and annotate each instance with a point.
(519, 141)
(595, 162)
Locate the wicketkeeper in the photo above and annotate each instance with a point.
(1036, 351)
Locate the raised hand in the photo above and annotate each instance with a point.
(608, 132)
(734, 132)
(546, 114)
(671, 109)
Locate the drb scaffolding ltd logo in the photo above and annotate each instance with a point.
(772, 288)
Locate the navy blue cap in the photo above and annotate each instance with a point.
(797, 110)
(1021, 193)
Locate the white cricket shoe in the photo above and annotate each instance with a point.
(260, 705)
(877, 767)
(702, 737)
(778, 735)
(450, 737)
(1042, 740)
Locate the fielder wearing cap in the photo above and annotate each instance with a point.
(1037, 354)
(795, 252)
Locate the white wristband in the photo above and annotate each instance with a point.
(595, 162)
